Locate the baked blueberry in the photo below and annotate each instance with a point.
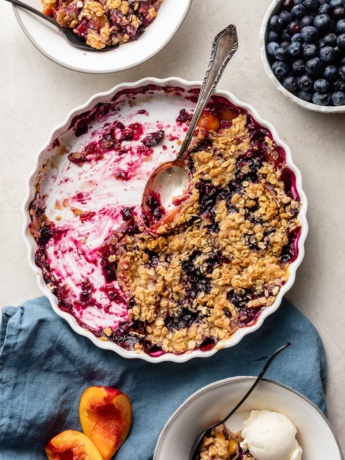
(314, 66)
(321, 98)
(327, 54)
(305, 83)
(321, 85)
(280, 68)
(338, 98)
(310, 34)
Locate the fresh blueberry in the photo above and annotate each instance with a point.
(342, 61)
(325, 9)
(280, 69)
(327, 54)
(340, 26)
(307, 20)
(295, 49)
(291, 84)
(305, 96)
(305, 83)
(321, 85)
(311, 5)
(297, 38)
(310, 50)
(322, 22)
(288, 4)
(285, 35)
(286, 16)
(314, 66)
(330, 39)
(338, 98)
(273, 36)
(298, 67)
(271, 48)
(336, 3)
(341, 41)
(330, 73)
(321, 98)
(298, 2)
(339, 53)
(342, 71)
(282, 54)
(339, 85)
(338, 13)
(294, 28)
(276, 23)
(298, 11)
(310, 34)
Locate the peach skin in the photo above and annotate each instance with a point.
(105, 417)
(71, 445)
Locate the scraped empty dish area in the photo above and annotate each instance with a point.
(164, 283)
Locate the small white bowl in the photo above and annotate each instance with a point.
(273, 8)
(50, 42)
(211, 403)
(48, 152)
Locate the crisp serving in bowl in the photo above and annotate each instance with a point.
(178, 286)
(100, 30)
(274, 422)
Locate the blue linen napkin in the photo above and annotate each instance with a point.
(45, 367)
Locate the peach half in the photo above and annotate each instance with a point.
(105, 417)
(72, 445)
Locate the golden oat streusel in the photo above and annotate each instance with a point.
(103, 22)
(224, 257)
(222, 444)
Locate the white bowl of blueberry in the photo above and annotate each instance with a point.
(303, 52)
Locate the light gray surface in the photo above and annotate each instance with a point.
(36, 95)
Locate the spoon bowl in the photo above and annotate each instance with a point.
(170, 180)
(70, 36)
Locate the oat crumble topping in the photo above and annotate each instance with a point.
(221, 259)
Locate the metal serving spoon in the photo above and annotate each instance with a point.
(197, 442)
(171, 179)
(68, 33)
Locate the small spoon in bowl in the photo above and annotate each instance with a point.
(68, 33)
(170, 180)
(197, 442)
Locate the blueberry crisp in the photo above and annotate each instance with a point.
(306, 49)
(197, 278)
(105, 22)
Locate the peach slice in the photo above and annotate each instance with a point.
(72, 445)
(208, 121)
(106, 417)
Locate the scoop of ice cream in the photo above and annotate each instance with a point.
(270, 435)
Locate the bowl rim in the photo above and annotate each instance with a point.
(265, 61)
(222, 382)
(31, 244)
(18, 11)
